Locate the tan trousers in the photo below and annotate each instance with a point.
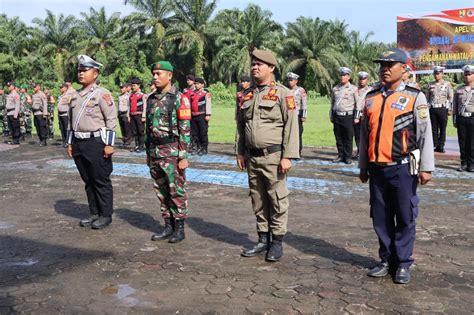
(269, 193)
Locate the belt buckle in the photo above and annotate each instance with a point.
(265, 151)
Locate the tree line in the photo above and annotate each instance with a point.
(191, 34)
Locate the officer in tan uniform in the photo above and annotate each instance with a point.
(267, 140)
(124, 114)
(301, 101)
(91, 136)
(12, 109)
(63, 111)
(440, 99)
(343, 107)
(362, 89)
(40, 113)
(463, 118)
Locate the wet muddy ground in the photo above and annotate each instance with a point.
(48, 264)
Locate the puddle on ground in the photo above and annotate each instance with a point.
(19, 263)
(122, 293)
(5, 225)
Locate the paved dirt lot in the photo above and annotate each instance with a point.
(48, 264)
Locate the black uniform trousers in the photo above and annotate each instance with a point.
(357, 135)
(63, 120)
(394, 209)
(138, 129)
(41, 126)
(300, 125)
(465, 127)
(344, 133)
(95, 171)
(14, 127)
(439, 121)
(200, 126)
(125, 127)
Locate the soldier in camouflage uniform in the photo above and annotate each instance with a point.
(167, 138)
(25, 112)
(50, 118)
(3, 114)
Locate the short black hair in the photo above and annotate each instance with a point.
(136, 81)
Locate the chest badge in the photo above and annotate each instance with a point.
(271, 95)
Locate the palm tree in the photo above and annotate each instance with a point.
(190, 27)
(100, 30)
(149, 23)
(361, 53)
(237, 34)
(312, 51)
(57, 35)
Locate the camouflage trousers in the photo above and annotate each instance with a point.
(4, 124)
(50, 121)
(169, 186)
(26, 125)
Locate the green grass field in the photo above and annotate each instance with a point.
(317, 128)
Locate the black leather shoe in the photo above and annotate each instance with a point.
(347, 161)
(403, 275)
(462, 168)
(338, 160)
(167, 231)
(441, 150)
(178, 233)
(381, 270)
(261, 247)
(470, 168)
(355, 157)
(101, 223)
(88, 221)
(276, 249)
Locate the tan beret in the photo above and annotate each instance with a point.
(265, 56)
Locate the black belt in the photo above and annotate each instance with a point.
(10, 110)
(61, 113)
(338, 113)
(262, 152)
(165, 140)
(123, 112)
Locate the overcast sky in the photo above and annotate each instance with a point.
(377, 16)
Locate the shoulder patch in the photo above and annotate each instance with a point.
(423, 111)
(107, 97)
(248, 96)
(290, 102)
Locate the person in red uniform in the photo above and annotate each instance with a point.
(201, 114)
(138, 115)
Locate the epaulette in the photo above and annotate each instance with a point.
(412, 89)
(374, 91)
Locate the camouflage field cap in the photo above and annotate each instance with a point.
(162, 65)
(266, 56)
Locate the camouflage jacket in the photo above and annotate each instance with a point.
(168, 126)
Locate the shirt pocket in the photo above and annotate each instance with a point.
(269, 110)
(247, 110)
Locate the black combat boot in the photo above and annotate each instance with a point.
(204, 149)
(178, 233)
(276, 249)
(167, 231)
(261, 247)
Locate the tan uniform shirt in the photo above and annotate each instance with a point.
(13, 104)
(361, 93)
(440, 94)
(301, 100)
(343, 99)
(123, 104)
(40, 104)
(92, 109)
(268, 117)
(463, 103)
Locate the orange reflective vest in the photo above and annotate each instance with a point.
(391, 124)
